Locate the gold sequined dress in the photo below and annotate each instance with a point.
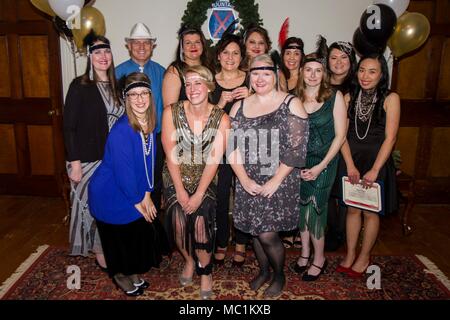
(198, 229)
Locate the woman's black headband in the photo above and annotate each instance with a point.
(136, 84)
(263, 68)
(98, 46)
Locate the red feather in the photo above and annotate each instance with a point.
(283, 35)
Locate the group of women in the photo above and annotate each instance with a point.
(273, 134)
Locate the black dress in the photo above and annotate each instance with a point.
(225, 178)
(364, 153)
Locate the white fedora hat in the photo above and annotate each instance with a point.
(140, 31)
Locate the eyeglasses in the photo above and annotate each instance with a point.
(134, 95)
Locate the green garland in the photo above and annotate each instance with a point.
(195, 13)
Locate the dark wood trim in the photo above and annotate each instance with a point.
(36, 185)
(20, 109)
(418, 113)
(13, 52)
(431, 89)
(34, 27)
(440, 29)
(22, 150)
(432, 190)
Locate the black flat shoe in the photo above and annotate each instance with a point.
(294, 267)
(142, 284)
(309, 277)
(137, 291)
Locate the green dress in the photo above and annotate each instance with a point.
(314, 194)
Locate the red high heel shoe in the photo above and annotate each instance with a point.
(357, 275)
(342, 269)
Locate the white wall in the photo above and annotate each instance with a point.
(334, 19)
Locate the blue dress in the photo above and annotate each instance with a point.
(120, 181)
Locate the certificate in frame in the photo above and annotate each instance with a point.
(356, 195)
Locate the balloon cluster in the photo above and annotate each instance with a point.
(73, 19)
(387, 23)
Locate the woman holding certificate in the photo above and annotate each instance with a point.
(374, 115)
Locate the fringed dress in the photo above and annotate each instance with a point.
(197, 230)
(314, 194)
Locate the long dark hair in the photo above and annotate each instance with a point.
(382, 88)
(89, 40)
(204, 58)
(353, 65)
(291, 40)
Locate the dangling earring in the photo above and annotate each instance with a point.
(181, 50)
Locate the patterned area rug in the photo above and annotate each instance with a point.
(44, 276)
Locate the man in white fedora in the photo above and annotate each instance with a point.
(140, 45)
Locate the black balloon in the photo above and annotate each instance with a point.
(378, 24)
(363, 46)
(62, 27)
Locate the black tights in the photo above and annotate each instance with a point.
(269, 251)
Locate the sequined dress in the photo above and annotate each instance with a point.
(278, 133)
(192, 151)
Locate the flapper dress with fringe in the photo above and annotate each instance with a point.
(197, 230)
(314, 194)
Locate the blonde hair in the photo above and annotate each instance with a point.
(204, 73)
(266, 59)
(150, 113)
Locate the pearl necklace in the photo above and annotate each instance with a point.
(146, 152)
(364, 113)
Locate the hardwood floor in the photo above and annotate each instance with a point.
(28, 222)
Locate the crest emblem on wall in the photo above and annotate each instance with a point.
(220, 16)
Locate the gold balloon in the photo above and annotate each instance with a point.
(43, 6)
(411, 31)
(90, 18)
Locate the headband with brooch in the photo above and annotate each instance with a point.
(345, 47)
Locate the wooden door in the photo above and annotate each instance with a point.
(31, 145)
(423, 83)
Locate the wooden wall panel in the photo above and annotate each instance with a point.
(8, 157)
(35, 67)
(440, 153)
(41, 150)
(5, 86)
(27, 12)
(426, 8)
(414, 74)
(407, 140)
(444, 76)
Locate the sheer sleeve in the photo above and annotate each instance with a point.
(295, 134)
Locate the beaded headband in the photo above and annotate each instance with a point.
(98, 46)
(196, 77)
(293, 46)
(345, 47)
(322, 61)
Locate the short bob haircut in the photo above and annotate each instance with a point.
(203, 72)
